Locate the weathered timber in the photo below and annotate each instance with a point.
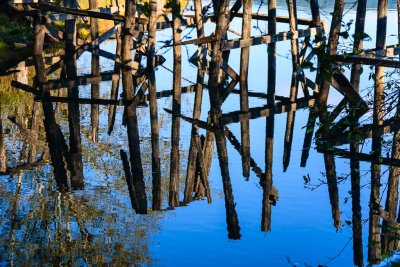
(78, 12)
(374, 238)
(265, 111)
(156, 168)
(176, 107)
(80, 80)
(270, 38)
(293, 86)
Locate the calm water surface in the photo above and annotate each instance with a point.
(96, 224)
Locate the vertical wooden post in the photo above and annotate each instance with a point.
(176, 107)
(293, 86)
(75, 163)
(3, 158)
(153, 107)
(70, 29)
(131, 115)
(95, 94)
(270, 121)
(95, 88)
(53, 132)
(244, 98)
(329, 159)
(198, 17)
(115, 82)
(332, 48)
(35, 128)
(388, 237)
(194, 152)
(330, 168)
(374, 250)
(358, 257)
(312, 118)
(215, 113)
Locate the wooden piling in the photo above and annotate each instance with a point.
(293, 86)
(244, 99)
(270, 122)
(153, 107)
(358, 257)
(95, 94)
(374, 239)
(3, 158)
(95, 88)
(333, 41)
(389, 235)
(115, 82)
(176, 107)
(132, 123)
(194, 170)
(74, 163)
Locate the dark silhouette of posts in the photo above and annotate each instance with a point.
(115, 81)
(176, 108)
(75, 147)
(358, 258)
(35, 128)
(333, 41)
(54, 135)
(374, 250)
(293, 86)
(153, 107)
(137, 181)
(215, 115)
(193, 180)
(244, 98)
(312, 118)
(3, 159)
(270, 122)
(95, 87)
(333, 190)
(329, 159)
(388, 238)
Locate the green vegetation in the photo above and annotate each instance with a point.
(12, 31)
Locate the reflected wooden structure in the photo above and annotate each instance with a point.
(135, 36)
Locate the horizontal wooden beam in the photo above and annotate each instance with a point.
(270, 38)
(196, 122)
(78, 100)
(265, 111)
(79, 12)
(82, 80)
(367, 60)
(284, 19)
(359, 156)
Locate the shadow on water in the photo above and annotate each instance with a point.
(67, 220)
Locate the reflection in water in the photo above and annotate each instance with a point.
(69, 220)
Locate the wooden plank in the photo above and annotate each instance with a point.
(78, 12)
(284, 19)
(82, 80)
(342, 84)
(78, 100)
(266, 111)
(369, 60)
(270, 38)
(196, 122)
(360, 156)
(102, 38)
